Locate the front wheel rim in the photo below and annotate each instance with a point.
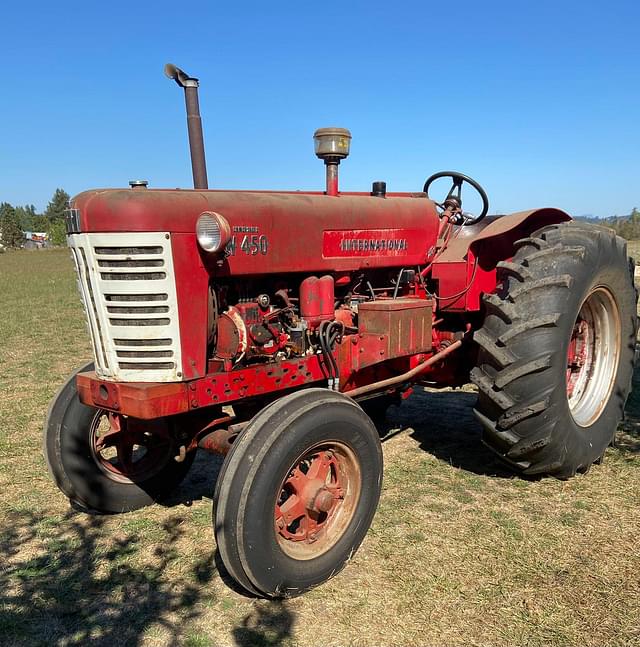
(593, 356)
(317, 500)
(128, 450)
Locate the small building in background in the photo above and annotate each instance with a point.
(36, 239)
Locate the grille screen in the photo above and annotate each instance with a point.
(128, 288)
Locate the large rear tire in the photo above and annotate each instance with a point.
(297, 493)
(557, 350)
(96, 477)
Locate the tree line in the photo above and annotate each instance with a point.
(16, 220)
(625, 226)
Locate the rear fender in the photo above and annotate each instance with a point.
(472, 256)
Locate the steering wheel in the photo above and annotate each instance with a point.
(454, 197)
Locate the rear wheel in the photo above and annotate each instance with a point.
(107, 463)
(557, 350)
(297, 493)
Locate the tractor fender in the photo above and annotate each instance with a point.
(500, 232)
(466, 269)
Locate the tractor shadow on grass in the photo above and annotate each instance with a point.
(200, 482)
(628, 437)
(270, 623)
(68, 580)
(443, 424)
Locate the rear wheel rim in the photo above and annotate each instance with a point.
(317, 500)
(593, 356)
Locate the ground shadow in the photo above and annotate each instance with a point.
(227, 579)
(628, 440)
(199, 483)
(444, 425)
(269, 624)
(62, 582)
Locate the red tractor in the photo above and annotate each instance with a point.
(267, 326)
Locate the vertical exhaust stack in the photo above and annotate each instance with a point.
(194, 124)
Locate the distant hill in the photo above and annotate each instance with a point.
(592, 220)
(626, 226)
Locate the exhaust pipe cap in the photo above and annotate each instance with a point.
(179, 76)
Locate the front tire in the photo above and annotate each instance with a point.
(100, 479)
(297, 493)
(557, 350)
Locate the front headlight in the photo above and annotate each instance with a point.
(212, 231)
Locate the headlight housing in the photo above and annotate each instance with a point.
(212, 231)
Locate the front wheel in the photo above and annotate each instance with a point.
(557, 350)
(297, 493)
(106, 463)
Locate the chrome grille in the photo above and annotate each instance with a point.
(128, 288)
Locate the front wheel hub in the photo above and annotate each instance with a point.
(317, 500)
(128, 450)
(323, 501)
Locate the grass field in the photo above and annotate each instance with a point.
(460, 552)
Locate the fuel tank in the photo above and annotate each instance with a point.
(276, 232)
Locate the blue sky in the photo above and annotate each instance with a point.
(539, 101)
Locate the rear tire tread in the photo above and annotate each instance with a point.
(511, 418)
(521, 369)
(519, 374)
(562, 281)
(503, 356)
(544, 321)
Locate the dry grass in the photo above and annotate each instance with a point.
(633, 249)
(460, 552)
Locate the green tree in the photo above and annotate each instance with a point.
(57, 206)
(10, 230)
(54, 217)
(27, 217)
(40, 223)
(57, 232)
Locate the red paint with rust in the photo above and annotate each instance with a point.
(470, 258)
(577, 353)
(317, 299)
(142, 400)
(293, 223)
(192, 280)
(292, 233)
(388, 329)
(313, 494)
(152, 400)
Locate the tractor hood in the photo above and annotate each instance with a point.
(272, 231)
